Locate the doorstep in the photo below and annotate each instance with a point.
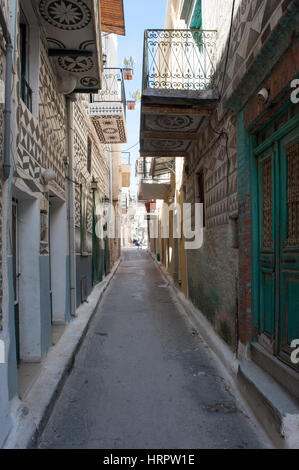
(29, 371)
(30, 415)
(274, 408)
(287, 377)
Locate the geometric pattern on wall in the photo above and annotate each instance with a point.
(42, 143)
(221, 171)
(84, 128)
(109, 122)
(253, 24)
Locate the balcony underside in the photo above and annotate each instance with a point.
(73, 36)
(152, 191)
(171, 120)
(109, 122)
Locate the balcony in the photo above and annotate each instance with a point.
(149, 191)
(107, 109)
(178, 91)
(73, 33)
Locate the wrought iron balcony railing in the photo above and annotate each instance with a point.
(107, 108)
(179, 59)
(143, 166)
(113, 89)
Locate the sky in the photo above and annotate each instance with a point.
(139, 15)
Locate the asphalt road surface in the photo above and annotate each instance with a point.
(141, 380)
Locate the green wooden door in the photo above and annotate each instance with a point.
(278, 183)
(289, 244)
(267, 274)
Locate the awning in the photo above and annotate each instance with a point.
(112, 17)
(152, 191)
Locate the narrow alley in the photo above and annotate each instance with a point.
(142, 380)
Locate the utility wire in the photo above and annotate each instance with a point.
(126, 150)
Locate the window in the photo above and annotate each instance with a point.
(89, 154)
(192, 13)
(29, 48)
(201, 192)
(26, 91)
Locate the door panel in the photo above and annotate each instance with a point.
(278, 182)
(267, 253)
(289, 244)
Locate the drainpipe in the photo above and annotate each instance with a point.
(8, 95)
(71, 216)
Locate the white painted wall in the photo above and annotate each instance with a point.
(29, 282)
(59, 253)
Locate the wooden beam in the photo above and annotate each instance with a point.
(174, 111)
(69, 53)
(158, 135)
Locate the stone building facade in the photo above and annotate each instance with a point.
(255, 49)
(59, 174)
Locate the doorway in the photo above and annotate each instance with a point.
(278, 237)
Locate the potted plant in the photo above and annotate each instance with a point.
(128, 68)
(135, 96)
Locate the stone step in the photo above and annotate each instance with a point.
(283, 374)
(275, 409)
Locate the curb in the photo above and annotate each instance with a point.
(222, 351)
(30, 415)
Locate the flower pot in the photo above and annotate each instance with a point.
(131, 104)
(128, 74)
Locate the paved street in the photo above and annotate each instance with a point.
(141, 380)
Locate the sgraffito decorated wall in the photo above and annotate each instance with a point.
(214, 286)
